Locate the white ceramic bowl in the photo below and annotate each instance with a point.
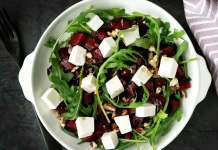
(34, 81)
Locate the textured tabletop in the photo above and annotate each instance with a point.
(18, 127)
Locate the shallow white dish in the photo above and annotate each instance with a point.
(34, 81)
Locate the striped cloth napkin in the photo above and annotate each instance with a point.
(202, 18)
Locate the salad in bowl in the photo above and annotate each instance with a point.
(119, 79)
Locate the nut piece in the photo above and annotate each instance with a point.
(108, 112)
(115, 127)
(123, 82)
(174, 84)
(63, 122)
(109, 107)
(158, 90)
(124, 99)
(94, 145)
(113, 33)
(113, 114)
(74, 69)
(56, 113)
(152, 48)
(147, 124)
(124, 112)
(184, 95)
(140, 131)
(153, 61)
(89, 55)
(69, 49)
(133, 68)
(150, 56)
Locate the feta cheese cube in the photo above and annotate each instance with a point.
(106, 47)
(142, 75)
(130, 37)
(85, 126)
(110, 140)
(123, 123)
(95, 22)
(88, 84)
(77, 56)
(168, 67)
(114, 86)
(52, 98)
(146, 110)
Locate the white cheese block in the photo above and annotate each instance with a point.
(114, 87)
(130, 37)
(142, 75)
(85, 126)
(77, 56)
(168, 67)
(146, 110)
(123, 122)
(52, 98)
(110, 140)
(107, 47)
(95, 22)
(88, 84)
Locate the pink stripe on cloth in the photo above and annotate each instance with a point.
(202, 18)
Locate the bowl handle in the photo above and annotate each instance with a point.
(25, 76)
(205, 79)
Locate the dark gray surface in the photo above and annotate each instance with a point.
(18, 126)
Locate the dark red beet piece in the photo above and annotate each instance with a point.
(130, 91)
(160, 82)
(131, 110)
(88, 98)
(168, 49)
(149, 86)
(61, 108)
(63, 52)
(67, 65)
(142, 27)
(99, 111)
(97, 56)
(71, 125)
(75, 80)
(127, 135)
(125, 73)
(184, 84)
(137, 122)
(179, 73)
(101, 34)
(119, 23)
(90, 44)
(88, 71)
(64, 55)
(174, 103)
(77, 39)
(139, 61)
(158, 100)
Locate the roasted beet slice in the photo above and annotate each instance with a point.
(159, 101)
(137, 122)
(119, 23)
(75, 80)
(63, 52)
(174, 103)
(99, 111)
(67, 65)
(149, 86)
(184, 84)
(97, 134)
(160, 82)
(97, 56)
(77, 39)
(127, 135)
(61, 108)
(88, 71)
(88, 98)
(90, 44)
(130, 91)
(101, 34)
(131, 110)
(143, 28)
(179, 73)
(168, 49)
(139, 61)
(125, 74)
(71, 125)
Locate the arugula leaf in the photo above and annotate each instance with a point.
(178, 95)
(117, 12)
(181, 48)
(50, 43)
(176, 35)
(188, 60)
(161, 115)
(143, 42)
(82, 28)
(179, 114)
(95, 107)
(81, 142)
(68, 132)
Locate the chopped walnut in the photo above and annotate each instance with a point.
(69, 49)
(152, 48)
(153, 61)
(63, 122)
(184, 95)
(89, 55)
(109, 107)
(113, 33)
(140, 131)
(108, 112)
(174, 84)
(74, 69)
(150, 56)
(113, 114)
(158, 90)
(147, 124)
(93, 144)
(114, 74)
(156, 71)
(124, 112)
(124, 99)
(133, 68)
(123, 82)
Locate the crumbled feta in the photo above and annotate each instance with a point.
(123, 122)
(168, 67)
(85, 126)
(95, 22)
(107, 47)
(110, 140)
(142, 75)
(146, 110)
(114, 87)
(77, 56)
(51, 98)
(88, 83)
(130, 37)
